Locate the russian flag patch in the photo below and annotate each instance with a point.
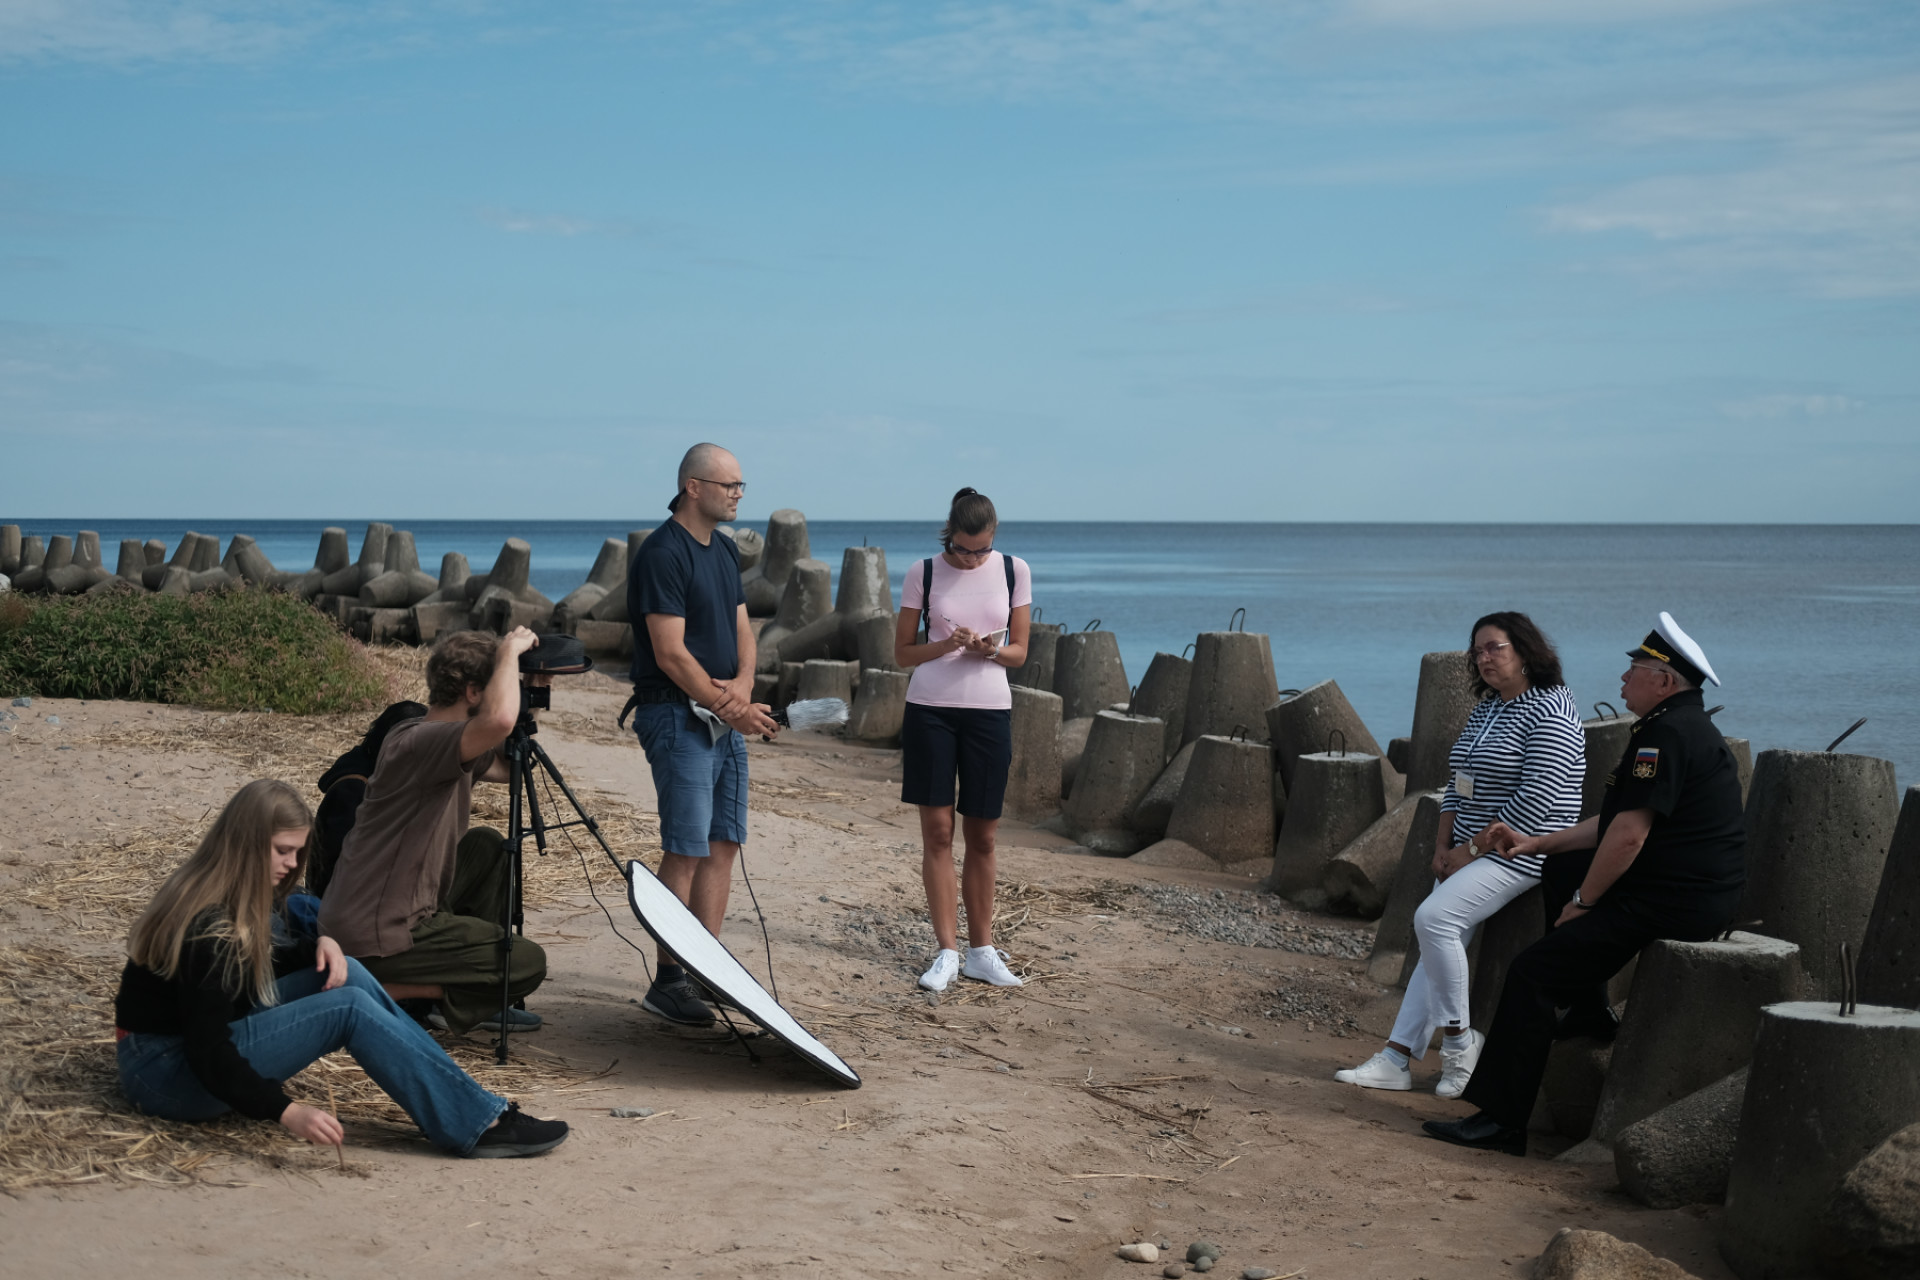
(1646, 761)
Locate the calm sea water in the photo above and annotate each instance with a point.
(1809, 627)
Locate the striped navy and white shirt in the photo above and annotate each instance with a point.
(1527, 759)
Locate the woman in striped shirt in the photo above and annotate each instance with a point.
(1520, 761)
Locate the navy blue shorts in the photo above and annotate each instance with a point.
(974, 742)
(701, 784)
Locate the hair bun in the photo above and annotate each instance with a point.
(967, 492)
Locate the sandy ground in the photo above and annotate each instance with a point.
(1023, 1132)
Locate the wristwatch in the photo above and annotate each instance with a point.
(1581, 902)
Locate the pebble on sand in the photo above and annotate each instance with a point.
(1140, 1251)
(1206, 1249)
(631, 1113)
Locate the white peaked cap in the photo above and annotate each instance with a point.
(1669, 630)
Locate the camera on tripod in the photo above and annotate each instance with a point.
(555, 655)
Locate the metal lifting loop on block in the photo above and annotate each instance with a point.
(1091, 626)
(1288, 693)
(1331, 735)
(1608, 714)
(1714, 711)
(1240, 616)
(1239, 734)
(1133, 696)
(1848, 734)
(1849, 985)
(1189, 649)
(1037, 611)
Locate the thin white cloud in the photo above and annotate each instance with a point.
(140, 31)
(1522, 13)
(1790, 406)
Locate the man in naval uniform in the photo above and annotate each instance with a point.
(1669, 859)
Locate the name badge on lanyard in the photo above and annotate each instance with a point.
(1463, 785)
(1462, 780)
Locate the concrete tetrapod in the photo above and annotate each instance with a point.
(1683, 1153)
(1225, 808)
(1314, 719)
(1393, 936)
(1824, 1090)
(1155, 810)
(9, 549)
(1606, 743)
(206, 554)
(864, 585)
(807, 599)
(1332, 799)
(1073, 745)
(1503, 936)
(871, 640)
(1874, 1221)
(1123, 756)
(1743, 764)
(818, 639)
(133, 560)
(433, 619)
(1890, 956)
(879, 707)
(451, 586)
(752, 544)
(1360, 876)
(1163, 695)
(612, 607)
(786, 545)
(86, 549)
(1818, 827)
(60, 553)
(1043, 640)
(373, 553)
(1033, 779)
(609, 573)
(825, 678)
(1440, 709)
(1231, 685)
(1690, 1020)
(1088, 674)
(31, 572)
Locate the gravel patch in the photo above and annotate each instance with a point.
(1250, 919)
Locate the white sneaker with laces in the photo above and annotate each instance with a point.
(1456, 1065)
(989, 964)
(945, 966)
(1377, 1072)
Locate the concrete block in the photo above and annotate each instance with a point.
(1225, 807)
(498, 612)
(206, 554)
(333, 554)
(1874, 1221)
(373, 552)
(1231, 685)
(454, 572)
(1889, 966)
(1824, 1090)
(864, 585)
(391, 590)
(342, 582)
(391, 626)
(67, 580)
(133, 560)
(808, 596)
(1397, 749)
(1174, 853)
(752, 545)
(511, 567)
(1360, 876)
(59, 553)
(1314, 719)
(826, 678)
(1088, 674)
(1393, 937)
(1683, 1153)
(1163, 694)
(1155, 810)
(86, 550)
(1570, 1090)
(573, 606)
(155, 551)
(1043, 640)
(614, 638)
(869, 639)
(174, 581)
(786, 545)
(1742, 763)
(1122, 757)
(1594, 1255)
(33, 552)
(1606, 743)
(431, 621)
(1073, 745)
(1440, 710)
(878, 707)
(251, 562)
(1332, 799)
(214, 579)
(1691, 1020)
(820, 638)
(113, 584)
(1033, 779)
(9, 549)
(1502, 937)
(789, 682)
(1818, 827)
(609, 573)
(766, 687)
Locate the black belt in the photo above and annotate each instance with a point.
(652, 697)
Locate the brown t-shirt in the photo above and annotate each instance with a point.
(396, 866)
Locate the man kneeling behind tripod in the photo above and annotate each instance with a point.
(416, 897)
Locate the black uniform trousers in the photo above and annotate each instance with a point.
(1560, 875)
(1560, 969)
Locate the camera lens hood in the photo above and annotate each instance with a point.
(556, 655)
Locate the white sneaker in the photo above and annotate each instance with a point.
(1377, 1072)
(1456, 1065)
(945, 966)
(989, 964)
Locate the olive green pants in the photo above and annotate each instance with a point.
(457, 948)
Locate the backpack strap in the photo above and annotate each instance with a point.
(926, 600)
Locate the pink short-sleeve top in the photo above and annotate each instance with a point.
(977, 599)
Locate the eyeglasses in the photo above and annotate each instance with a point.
(954, 548)
(733, 488)
(1647, 667)
(1486, 651)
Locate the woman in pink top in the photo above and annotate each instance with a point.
(959, 720)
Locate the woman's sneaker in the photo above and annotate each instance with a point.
(946, 967)
(989, 964)
(518, 1134)
(1377, 1072)
(1456, 1065)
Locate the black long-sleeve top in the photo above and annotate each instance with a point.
(196, 1003)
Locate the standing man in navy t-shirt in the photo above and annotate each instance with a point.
(693, 661)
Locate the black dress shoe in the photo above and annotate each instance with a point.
(1481, 1131)
(1595, 1023)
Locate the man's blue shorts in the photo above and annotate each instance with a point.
(702, 784)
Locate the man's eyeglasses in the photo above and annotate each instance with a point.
(1486, 651)
(734, 488)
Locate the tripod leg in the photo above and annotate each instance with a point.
(752, 1057)
(517, 778)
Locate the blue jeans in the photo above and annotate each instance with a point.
(282, 1040)
(701, 784)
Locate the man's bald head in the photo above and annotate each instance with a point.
(703, 461)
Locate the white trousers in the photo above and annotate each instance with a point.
(1445, 923)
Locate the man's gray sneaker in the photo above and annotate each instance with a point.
(677, 1001)
(517, 1020)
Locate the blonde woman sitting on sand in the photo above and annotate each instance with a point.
(1520, 761)
(222, 1000)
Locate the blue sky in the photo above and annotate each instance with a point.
(1161, 259)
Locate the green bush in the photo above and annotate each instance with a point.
(229, 650)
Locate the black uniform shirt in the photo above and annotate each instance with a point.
(1678, 765)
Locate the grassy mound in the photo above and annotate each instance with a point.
(229, 650)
